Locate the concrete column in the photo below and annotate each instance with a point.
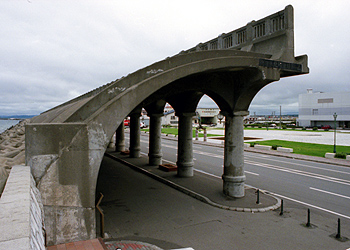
(155, 141)
(233, 177)
(184, 148)
(120, 138)
(135, 134)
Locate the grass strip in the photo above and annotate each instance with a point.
(312, 149)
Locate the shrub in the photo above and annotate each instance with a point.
(274, 147)
(340, 155)
(326, 129)
(303, 128)
(314, 128)
(253, 143)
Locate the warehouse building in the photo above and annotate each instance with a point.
(318, 109)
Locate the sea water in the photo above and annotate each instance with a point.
(5, 124)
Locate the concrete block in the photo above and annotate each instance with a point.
(329, 155)
(348, 157)
(263, 147)
(246, 145)
(285, 150)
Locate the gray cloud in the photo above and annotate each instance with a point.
(53, 51)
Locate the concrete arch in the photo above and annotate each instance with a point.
(65, 145)
(231, 77)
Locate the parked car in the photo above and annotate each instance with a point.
(326, 127)
(126, 122)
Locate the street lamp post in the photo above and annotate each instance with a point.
(220, 117)
(335, 131)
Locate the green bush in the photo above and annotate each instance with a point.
(314, 128)
(326, 129)
(274, 147)
(303, 128)
(253, 143)
(340, 155)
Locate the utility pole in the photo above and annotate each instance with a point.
(280, 117)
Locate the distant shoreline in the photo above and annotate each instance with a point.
(17, 119)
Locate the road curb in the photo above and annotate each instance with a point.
(196, 195)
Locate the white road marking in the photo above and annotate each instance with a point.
(293, 171)
(281, 196)
(248, 172)
(299, 172)
(291, 199)
(331, 193)
(308, 166)
(310, 205)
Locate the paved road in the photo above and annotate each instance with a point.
(139, 208)
(321, 186)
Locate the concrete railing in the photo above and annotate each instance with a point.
(21, 216)
(254, 32)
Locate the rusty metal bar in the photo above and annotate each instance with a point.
(102, 216)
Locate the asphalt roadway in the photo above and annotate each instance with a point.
(140, 206)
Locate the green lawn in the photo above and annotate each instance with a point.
(312, 149)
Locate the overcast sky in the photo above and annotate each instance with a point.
(53, 51)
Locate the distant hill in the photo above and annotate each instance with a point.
(16, 116)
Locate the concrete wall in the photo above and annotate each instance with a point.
(21, 217)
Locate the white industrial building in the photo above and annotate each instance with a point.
(207, 116)
(317, 109)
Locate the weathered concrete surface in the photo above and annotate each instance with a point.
(21, 217)
(65, 145)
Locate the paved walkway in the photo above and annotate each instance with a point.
(203, 187)
(94, 244)
(99, 244)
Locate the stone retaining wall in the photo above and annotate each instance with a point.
(12, 150)
(21, 217)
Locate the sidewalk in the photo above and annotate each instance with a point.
(205, 188)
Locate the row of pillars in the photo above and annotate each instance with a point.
(233, 175)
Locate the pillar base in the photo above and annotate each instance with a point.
(134, 152)
(120, 148)
(184, 170)
(155, 159)
(234, 186)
